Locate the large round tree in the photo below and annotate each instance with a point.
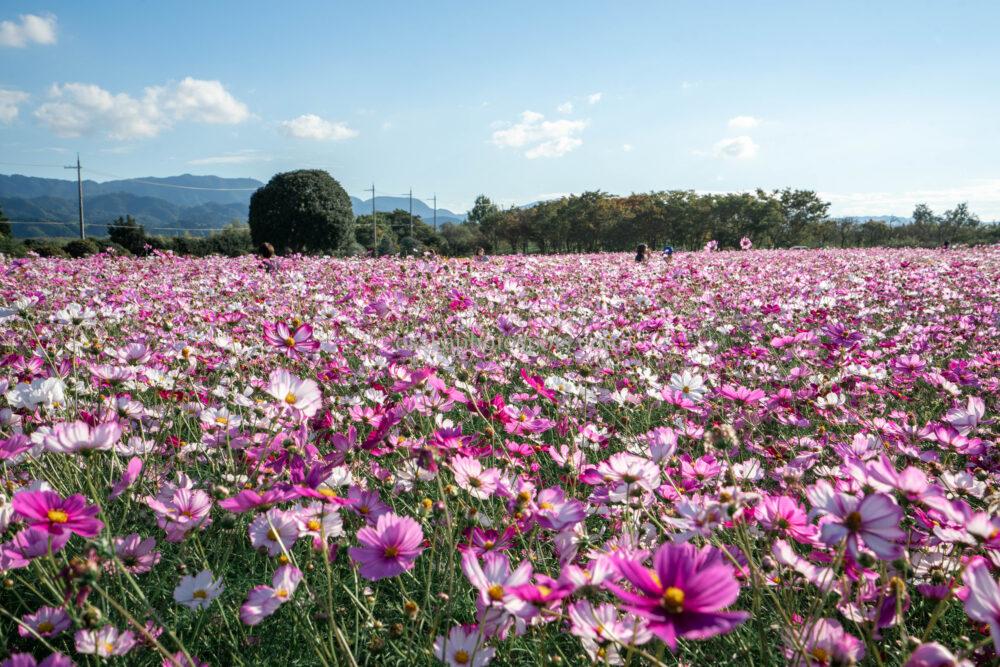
(302, 211)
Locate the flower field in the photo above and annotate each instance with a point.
(751, 457)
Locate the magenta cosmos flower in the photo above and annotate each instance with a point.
(684, 594)
(982, 600)
(294, 343)
(47, 511)
(389, 548)
(875, 520)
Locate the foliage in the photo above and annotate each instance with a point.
(81, 248)
(302, 211)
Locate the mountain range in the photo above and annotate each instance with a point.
(171, 206)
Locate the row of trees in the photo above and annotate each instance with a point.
(308, 211)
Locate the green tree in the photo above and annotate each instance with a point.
(5, 230)
(129, 234)
(302, 211)
(488, 218)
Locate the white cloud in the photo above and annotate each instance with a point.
(31, 30)
(9, 102)
(743, 122)
(737, 148)
(627, 148)
(203, 102)
(76, 109)
(311, 126)
(245, 156)
(565, 107)
(539, 137)
(982, 195)
(594, 98)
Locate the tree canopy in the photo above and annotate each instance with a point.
(302, 211)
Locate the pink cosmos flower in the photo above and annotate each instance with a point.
(463, 647)
(80, 436)
(302, 396)
(136, 554)
(786, 516)
(292, 343)
(470, 475)
(46, 621)
(982, 602)
(47, 511)
(741, 394)
(825, 643)
(875, 520)
(275, 530)
(495, 582)
(105, 642)
(132, 471)
(367, 503)
(388, 549)
(631, 470)
(186, 510)
(29, 544)
(601, 629)
(684, 594)
(932, 654)
(263, 601)
(746, 243)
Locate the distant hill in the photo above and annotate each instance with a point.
(389, 204)
(165, 206)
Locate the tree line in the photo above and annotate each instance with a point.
(308, 211)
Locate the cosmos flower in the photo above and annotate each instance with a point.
(46, 621)
(388, 549)
(105, 642)
(294, 393)
(684, 595)
(47, 511)
(463, 647)
(875, 520)
(199, 591)
(295, 343)
(263, 601)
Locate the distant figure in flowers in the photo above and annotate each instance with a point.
(481, 255)
(267, 262)
(668, 252)
(641, 253)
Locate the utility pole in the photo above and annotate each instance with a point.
(374, 226)
(411, 213)
(435, 213)
(79, 187)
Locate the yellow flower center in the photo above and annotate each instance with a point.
(461, 658)
(281, 593)
(489, 544)
(364, 510)
(474, 482)
(853, 521)
(673, 600)
(495, 592)
(221, 421)
(200, 594)
(328, 492)
(545, 505)
(290, 342)
(272, 535)
(290, 398)
(45, 626)
(820, 654)
(544, 590)
(313, 524)
(58, 516)
(109, 648)
(391, 552)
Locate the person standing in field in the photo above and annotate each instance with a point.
(266, 252)
(641, 253)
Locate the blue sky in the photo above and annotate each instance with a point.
(877, 105)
